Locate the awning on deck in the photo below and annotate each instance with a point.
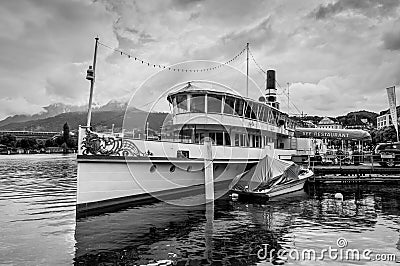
(330, 133)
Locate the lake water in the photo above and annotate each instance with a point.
(38, 225)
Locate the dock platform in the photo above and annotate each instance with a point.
(351, 174)
(352, 170)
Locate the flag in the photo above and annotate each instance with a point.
(392, 106)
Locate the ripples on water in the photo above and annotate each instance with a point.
(37, 203)
(38, 226)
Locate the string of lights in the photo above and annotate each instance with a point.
(149, 64)
(254, 60)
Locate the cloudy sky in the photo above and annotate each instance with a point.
(338, 55)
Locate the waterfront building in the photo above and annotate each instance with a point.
(327, 122)
(384, 119)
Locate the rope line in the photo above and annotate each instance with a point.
(144, 62)
(259, 67)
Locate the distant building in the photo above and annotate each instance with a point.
(327, 122)
(363, 125)
(39, 136)
(384, 119)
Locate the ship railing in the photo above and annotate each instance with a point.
(94, 143)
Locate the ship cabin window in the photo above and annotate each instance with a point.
(227, 139)
(217, 138)
(256, 141)
(243, 140)
(237, 140)
(197, 104)
(214, 103)
(229, 107)
(199, 138)
(182, 103)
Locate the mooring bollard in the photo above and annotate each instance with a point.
(208, 170)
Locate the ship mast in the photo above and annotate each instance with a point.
(247, 70)
(91, 76)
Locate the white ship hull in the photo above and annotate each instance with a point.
(155, 172)
(104, 182)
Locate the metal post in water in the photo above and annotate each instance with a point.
(208, 170)
(209, 229)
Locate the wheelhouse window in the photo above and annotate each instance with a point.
(262, 113)
(182, 103)
(197, 104)
(253, 110)
(214, 103)
(229, 107)
(239, 107)
(266, 115)
(247, 110)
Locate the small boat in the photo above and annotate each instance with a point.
(271, 177)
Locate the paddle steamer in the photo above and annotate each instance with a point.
(118, 169)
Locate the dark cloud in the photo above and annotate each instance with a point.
(186, 3)
(256, 35)
(391, 39)
(367, 7)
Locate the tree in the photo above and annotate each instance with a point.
(50, 143)
(8, 140)
(66, 133)
(386, 134)
(27, 143)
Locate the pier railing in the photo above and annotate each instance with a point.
(356, 165)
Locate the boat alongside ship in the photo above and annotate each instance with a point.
(271, 177)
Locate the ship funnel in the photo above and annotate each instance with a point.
(271, 80)
(271, 89)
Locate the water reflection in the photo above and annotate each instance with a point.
(38, 223)
(231, 233)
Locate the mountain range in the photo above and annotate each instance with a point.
(60, 108)
(105, 116)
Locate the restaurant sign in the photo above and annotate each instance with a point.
(323, 133)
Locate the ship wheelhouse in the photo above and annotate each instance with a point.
(228, 119)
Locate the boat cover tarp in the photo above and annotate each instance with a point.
(269, 171)
(330, 133)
